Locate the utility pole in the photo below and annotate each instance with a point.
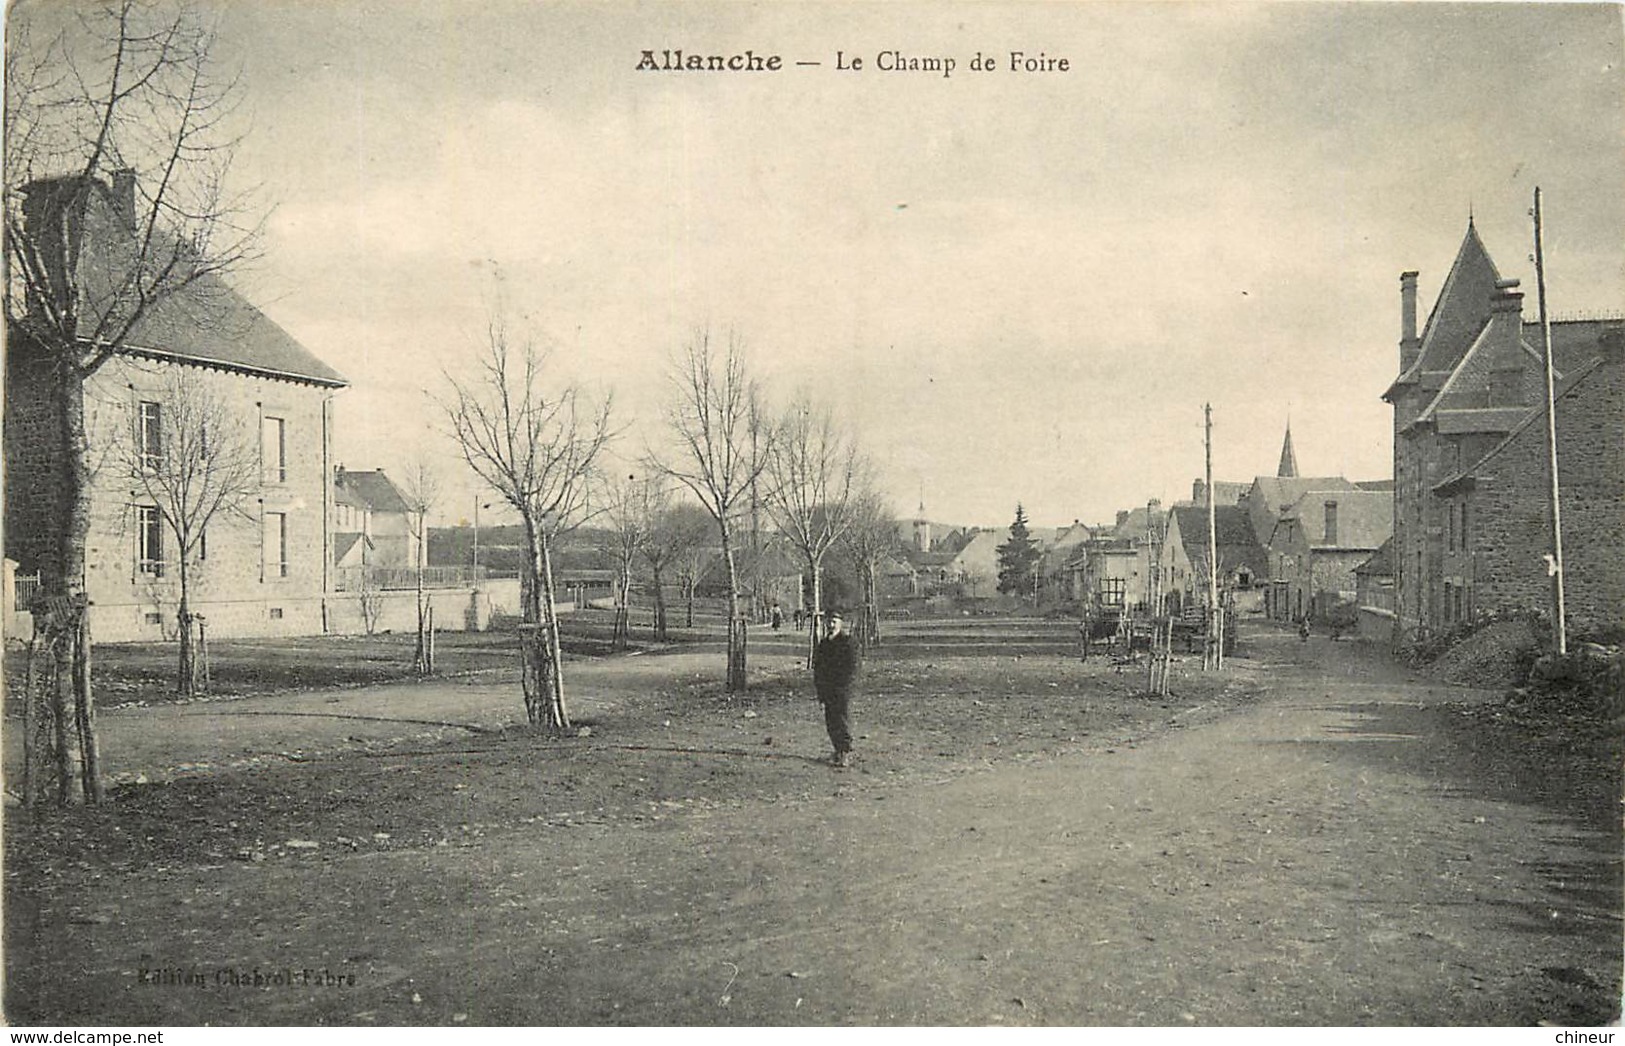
(1213, 655)
(1559, 620)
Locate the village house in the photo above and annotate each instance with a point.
(372, 524)
(1243, 562)
(1317, 543)
(1468, 381)
(264, 570)
(1117, 567)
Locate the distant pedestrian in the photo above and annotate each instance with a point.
(778, 617)
(835, 678)
(796, 616)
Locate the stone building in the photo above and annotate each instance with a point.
(1318, 542)
(262, 571)
(1469, 379)
(1243, 562)
(1497, 518)
(372, 520)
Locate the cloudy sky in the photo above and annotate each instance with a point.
(1014, 286)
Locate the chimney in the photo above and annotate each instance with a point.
(123, 194)
(1409, 345)
(1506, 385)
(1199, 491)
(1122, 516)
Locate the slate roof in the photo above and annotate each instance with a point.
(1530, 417)
(1381, 563)
(206, 321)
(1459, 313)
(1280, 492)
(370, 490)
(1232, 532)
(1365, 518)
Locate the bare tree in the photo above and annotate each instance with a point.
(195, 462)
(814, 475)
(628, 519)
(871, 536)
(421, 493)
(537, 448)
(717, 458)
(91, 251)
(687, 527)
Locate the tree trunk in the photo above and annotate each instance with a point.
(558, 716)
(737, 637)
(660, 608)
(186, 675)
(817, 608)
(420, 657)
(72, 650)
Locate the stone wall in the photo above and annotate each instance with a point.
(1509, 528)
(233, 586)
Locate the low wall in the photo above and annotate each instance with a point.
(455, 610)
(1376, 625)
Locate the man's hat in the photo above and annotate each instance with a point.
(834, 614)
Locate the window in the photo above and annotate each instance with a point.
(1331, 522)
(149, 541)
(1462, 537)
(273, 450)
(1113, 591)
(149, 434)
(275, 546)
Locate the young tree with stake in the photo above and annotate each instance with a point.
(91, 249)
(196, 462)
(537, 447)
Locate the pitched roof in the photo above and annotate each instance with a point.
(1365, 518)
(1137, 523)
(203, 321)
(1576, 381)
(209, 323)
(1280, 492)
(1232, 532)
(371, 490)
(1460, 311)
(1381, 563)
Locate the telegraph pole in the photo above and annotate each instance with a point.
(1214, 653)
(1559, 620)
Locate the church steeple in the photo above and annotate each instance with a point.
(1289, 461)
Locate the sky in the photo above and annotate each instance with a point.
(1012, 286)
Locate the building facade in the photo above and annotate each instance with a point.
(1468, 379)
(262, 568)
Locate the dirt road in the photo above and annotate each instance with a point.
(1352, 849)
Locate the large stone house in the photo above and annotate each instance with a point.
(1497, 532)
(1468, 382)
(264, 570)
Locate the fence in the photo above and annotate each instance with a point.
(27, 586)
(395, 579)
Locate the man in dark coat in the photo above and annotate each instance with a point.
(835, 678)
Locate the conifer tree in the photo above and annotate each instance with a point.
(1018, 558)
